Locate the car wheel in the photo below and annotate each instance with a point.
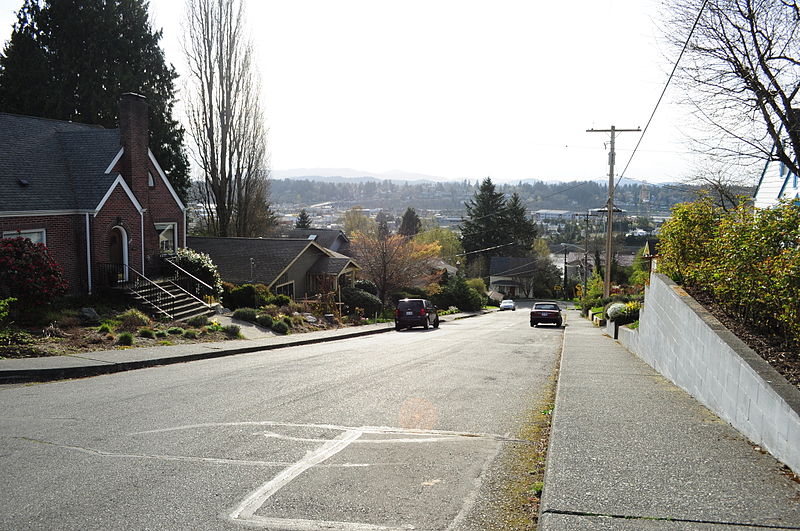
(558, 324)
(398, 327)
(533, 324)
(425, 325)
(436, 323)
(513, 309)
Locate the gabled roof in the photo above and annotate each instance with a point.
(271, 256)
(324, 237)
(328, 265)
(507, 266)
(63, 164)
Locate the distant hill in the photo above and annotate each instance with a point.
(349, 175)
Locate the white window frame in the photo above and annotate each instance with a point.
(25, 233)
(161, 227)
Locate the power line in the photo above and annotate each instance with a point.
(664, 91)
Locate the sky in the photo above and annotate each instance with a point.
(458, 89)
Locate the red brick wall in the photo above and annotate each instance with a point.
(118, 210)
(65, 242)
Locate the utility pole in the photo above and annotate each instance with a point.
(610, 221)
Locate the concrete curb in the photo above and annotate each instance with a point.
(199, 352)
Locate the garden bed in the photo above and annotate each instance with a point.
(774, 350)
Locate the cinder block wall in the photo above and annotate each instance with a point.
(687, 345)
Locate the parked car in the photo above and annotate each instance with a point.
(546, 312)
(508, 304)
(415, 312)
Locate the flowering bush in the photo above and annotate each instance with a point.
(201, 266)
(29, 273)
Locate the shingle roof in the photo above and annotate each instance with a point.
(232, 256)
(510, 266)
(62, 162)
(324, 237)
(330, 265)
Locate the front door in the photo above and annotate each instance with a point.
(118, 254)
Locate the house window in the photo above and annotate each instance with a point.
(34, 235)
(167, 237)
(150, 182)
(285, 289)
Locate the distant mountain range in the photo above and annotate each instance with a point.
(349, 175)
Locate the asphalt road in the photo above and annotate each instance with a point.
(401, 430)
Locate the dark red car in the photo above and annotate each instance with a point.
(546, 312)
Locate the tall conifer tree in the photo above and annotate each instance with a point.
(73, 59)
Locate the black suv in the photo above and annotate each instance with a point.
(415, 312)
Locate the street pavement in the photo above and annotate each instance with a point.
(628, 449)
(631, 451)
(399, 430)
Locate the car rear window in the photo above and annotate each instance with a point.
(409, 305)
(546, 306)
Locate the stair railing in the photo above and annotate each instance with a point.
(125, 277)
(188, 283)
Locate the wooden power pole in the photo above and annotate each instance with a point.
(610, 205)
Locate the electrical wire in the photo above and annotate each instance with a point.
(674, 69)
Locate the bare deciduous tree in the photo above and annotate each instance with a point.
(741, 70)
(394, 262)
(226, 119)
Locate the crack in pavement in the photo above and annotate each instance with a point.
(667, 519)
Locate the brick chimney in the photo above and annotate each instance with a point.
(135, 138)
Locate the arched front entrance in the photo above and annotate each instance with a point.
(118, 252)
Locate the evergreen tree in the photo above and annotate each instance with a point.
(521, 229)
(73, 59)
(484, 232)
(410, 224)
(303, 220)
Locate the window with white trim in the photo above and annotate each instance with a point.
(167, 237)
(34, 235)
(150, 182)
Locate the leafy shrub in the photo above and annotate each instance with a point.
(104, 328)
(28, 273)
(175, 330)
(280, 327)
(245, 314)
(190, 334)
(147, 332)
(477, 284)
(4, 307)
(247, 296)
(748, 262)
(264, 320)
(357, 298)
(615, 310)
(280, 300)
(288, 320)
(125, 338)
(161, 334)
(197, 321)
(366, 285)
(457, 293)
(132, 319)
(232, 331)
(201, 266)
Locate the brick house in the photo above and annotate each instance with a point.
(97, 198)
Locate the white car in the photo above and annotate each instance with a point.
(508, 304)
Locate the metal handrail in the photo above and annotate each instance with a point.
(198, 299)
(189, 283)
(136, 286)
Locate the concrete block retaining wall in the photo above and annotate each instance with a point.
(688, 346)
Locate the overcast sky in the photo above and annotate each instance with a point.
(457, 89)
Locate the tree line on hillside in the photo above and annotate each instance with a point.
(452, 195)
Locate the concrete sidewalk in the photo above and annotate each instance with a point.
(629, 450)
(118, 360)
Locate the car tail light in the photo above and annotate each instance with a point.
(422, 312)
(397, 313)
